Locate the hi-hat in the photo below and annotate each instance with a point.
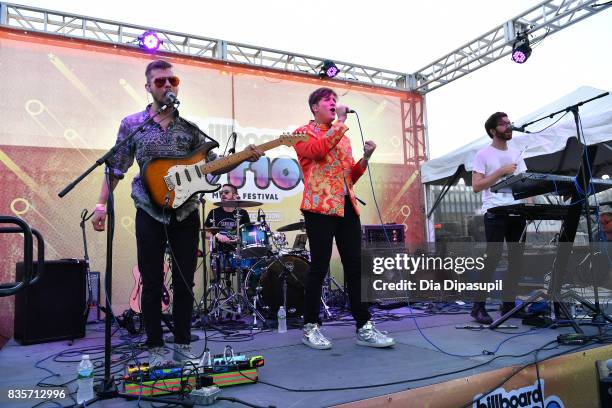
(237, 203)
(296, 226)
(212, 230)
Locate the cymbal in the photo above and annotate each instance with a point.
(212, 230)
(296, 226)
(237, 203)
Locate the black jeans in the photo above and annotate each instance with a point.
(321, 230)
(498, 228)
(151, 243)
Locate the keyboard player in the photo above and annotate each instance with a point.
(491, 164)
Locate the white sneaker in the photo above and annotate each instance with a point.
(156, 356)
(182, 353)
(370, 336)
(314, 338)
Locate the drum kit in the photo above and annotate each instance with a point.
(268, 274)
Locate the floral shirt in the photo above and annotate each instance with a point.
(329, 169)
(180, 138)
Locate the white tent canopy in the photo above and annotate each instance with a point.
(596, 117)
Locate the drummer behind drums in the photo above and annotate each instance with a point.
(224, 219)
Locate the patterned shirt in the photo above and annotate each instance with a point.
(180, 138)
(329, 169)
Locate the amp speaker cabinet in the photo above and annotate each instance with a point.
(53, 308)
(383, 235)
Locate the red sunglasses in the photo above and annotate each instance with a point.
(161, 81)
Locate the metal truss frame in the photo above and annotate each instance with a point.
(87, 28)
(538, 22)
(413, 131)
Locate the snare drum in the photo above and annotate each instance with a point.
(253, 241)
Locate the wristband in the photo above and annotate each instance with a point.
(100, 207)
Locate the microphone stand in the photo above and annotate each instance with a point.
(233, 149)
(204, 301)
(108, 389)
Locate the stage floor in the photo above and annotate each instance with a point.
(413, 362)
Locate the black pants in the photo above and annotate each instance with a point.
(498, 228)
(151, 242)
(321, 230)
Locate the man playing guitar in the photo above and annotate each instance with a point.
(169, 135)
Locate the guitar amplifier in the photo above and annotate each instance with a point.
(54, 307)
(383, 234)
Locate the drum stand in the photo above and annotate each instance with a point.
(326, 294)
(239, 296)
(218, 292)
(220, 295)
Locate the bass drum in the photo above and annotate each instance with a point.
(272, 285)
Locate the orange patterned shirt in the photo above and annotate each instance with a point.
(329, 169)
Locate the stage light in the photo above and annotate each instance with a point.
(521, 49)
(328, 69)
(149, 41)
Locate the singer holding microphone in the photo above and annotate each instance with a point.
(168, 135)
(491, 164)
(330, 211)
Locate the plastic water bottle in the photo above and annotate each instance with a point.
(85, 380)
(282, 320)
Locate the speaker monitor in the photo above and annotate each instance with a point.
(54, 307)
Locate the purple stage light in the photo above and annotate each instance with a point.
(149, 41)
(519, 56)
(328, 69)
(521, 49)
(332, 72)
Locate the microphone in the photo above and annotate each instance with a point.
(519, 129)
(233, 149)
(170, 98)
(348, 110)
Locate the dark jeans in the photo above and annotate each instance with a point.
(321, 230)
(151, 242)
(498, 228)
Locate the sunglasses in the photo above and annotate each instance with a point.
(161, 81)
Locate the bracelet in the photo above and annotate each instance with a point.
(100, 207)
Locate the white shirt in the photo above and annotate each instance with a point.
(488, 160)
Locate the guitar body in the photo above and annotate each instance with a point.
(137, 291)
(171, 181)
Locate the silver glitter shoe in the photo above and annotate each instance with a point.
(370, 336)
(314, 338)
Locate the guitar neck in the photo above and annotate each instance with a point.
(236, 158)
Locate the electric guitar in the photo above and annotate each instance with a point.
(137, 290)
(171, 181)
